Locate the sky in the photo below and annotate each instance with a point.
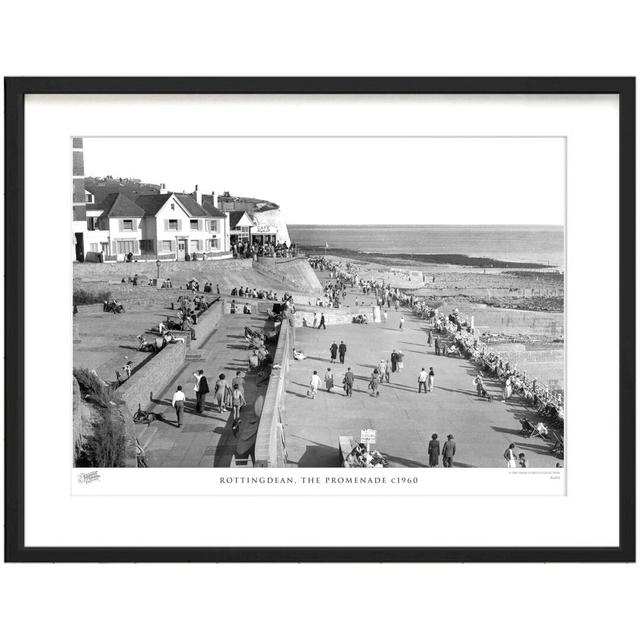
(331, 180)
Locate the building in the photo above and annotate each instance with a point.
(253, 220)
(78, 206)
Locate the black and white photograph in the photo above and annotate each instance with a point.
(318, 302)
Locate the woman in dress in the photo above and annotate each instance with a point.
(334, 352)
(434, 450)
(374, 382)
(221, 392)
(328, 380)
(508, 390)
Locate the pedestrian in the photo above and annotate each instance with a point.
(342, 350)
(436, 346)
(522, 461)
(382, 369)
(384, 315)
(444, 350)
(434, 450)
(239, 380)
(328, 380)
(422, 381)
(508, 390)
(431, 379)
(178, 404)
(373, 383)
(448, 451)
(315, 319)
(479, 382)
(237, 401)
(401, 322)
(333, 349)
(510, 456)
(387, 371)
(201, 388)
(314, 383)
(429, 338)
(347, 382)
(394, 361)
(221, 391)
(322, 325)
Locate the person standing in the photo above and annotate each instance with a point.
(444, 349)
(348, 382)
(387, 372)
(448, 451)
(508, 390)
(429, 337)
(394, 361)
(401, 322)
(522, 461)
(178, 404)
(510, 456)
(373, 383)
(382, 369)
(431, 379)
(434, 450)
(322, 325)
(342, 350)
(333, 350)
(221, 390)
(436, 346)
(384, 315)
(422, 381)
(201, 388)
(328, 380)
(314, 383)
(315, 319)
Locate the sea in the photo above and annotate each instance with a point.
(518, 243)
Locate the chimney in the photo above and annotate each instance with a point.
(198, 196)
(163, 188)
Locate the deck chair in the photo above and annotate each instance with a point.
(558, 443)
(540, 431)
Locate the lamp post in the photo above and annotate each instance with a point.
(158, 268)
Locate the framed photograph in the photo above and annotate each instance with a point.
(320, 319)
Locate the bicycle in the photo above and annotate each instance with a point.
(144, 416)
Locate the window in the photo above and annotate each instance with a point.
(92, 223)
(213, 244)
(146, 246)
(126, 246)
(127, 225)
(93, 246)
(173, 225)
(167, 246)
(89, 198)
(173, 206)
(213, 226)
(193, 224)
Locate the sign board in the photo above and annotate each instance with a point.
(368, 436)
(263, 228)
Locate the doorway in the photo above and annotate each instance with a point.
(182, 249)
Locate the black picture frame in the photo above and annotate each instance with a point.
(15, 91)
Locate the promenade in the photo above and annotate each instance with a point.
(206, 439)
(404, 420)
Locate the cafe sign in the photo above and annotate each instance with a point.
(263, 228)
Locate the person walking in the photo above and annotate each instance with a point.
(178, 404)
(394, 361)
(314, 383)
(448, 451)
(201, 388)
(436, 346)
(401, 322)
(237, 402)
(333, 350)
(510, 456)
(374, 382)
(508, 390)
(328, 380)
(387, 372)
(429, 337)
(342, 350)
(431, 379)
(382, 370)
(348, 381)
(479, 382)
(434, 450)
(322, 325)
(422, 381)
(221, 391)
(444, 349)
(315, 320)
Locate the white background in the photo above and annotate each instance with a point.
(401, 38)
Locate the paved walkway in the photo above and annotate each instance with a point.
(206, 440)
(404, 419)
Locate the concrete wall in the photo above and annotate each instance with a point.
(295, 271)
(270, 448)
(153, 376)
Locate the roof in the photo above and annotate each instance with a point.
(194, 210)
(152, 203)
(118, 206)
(235, 217)
(102, 187)
(212, 211)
